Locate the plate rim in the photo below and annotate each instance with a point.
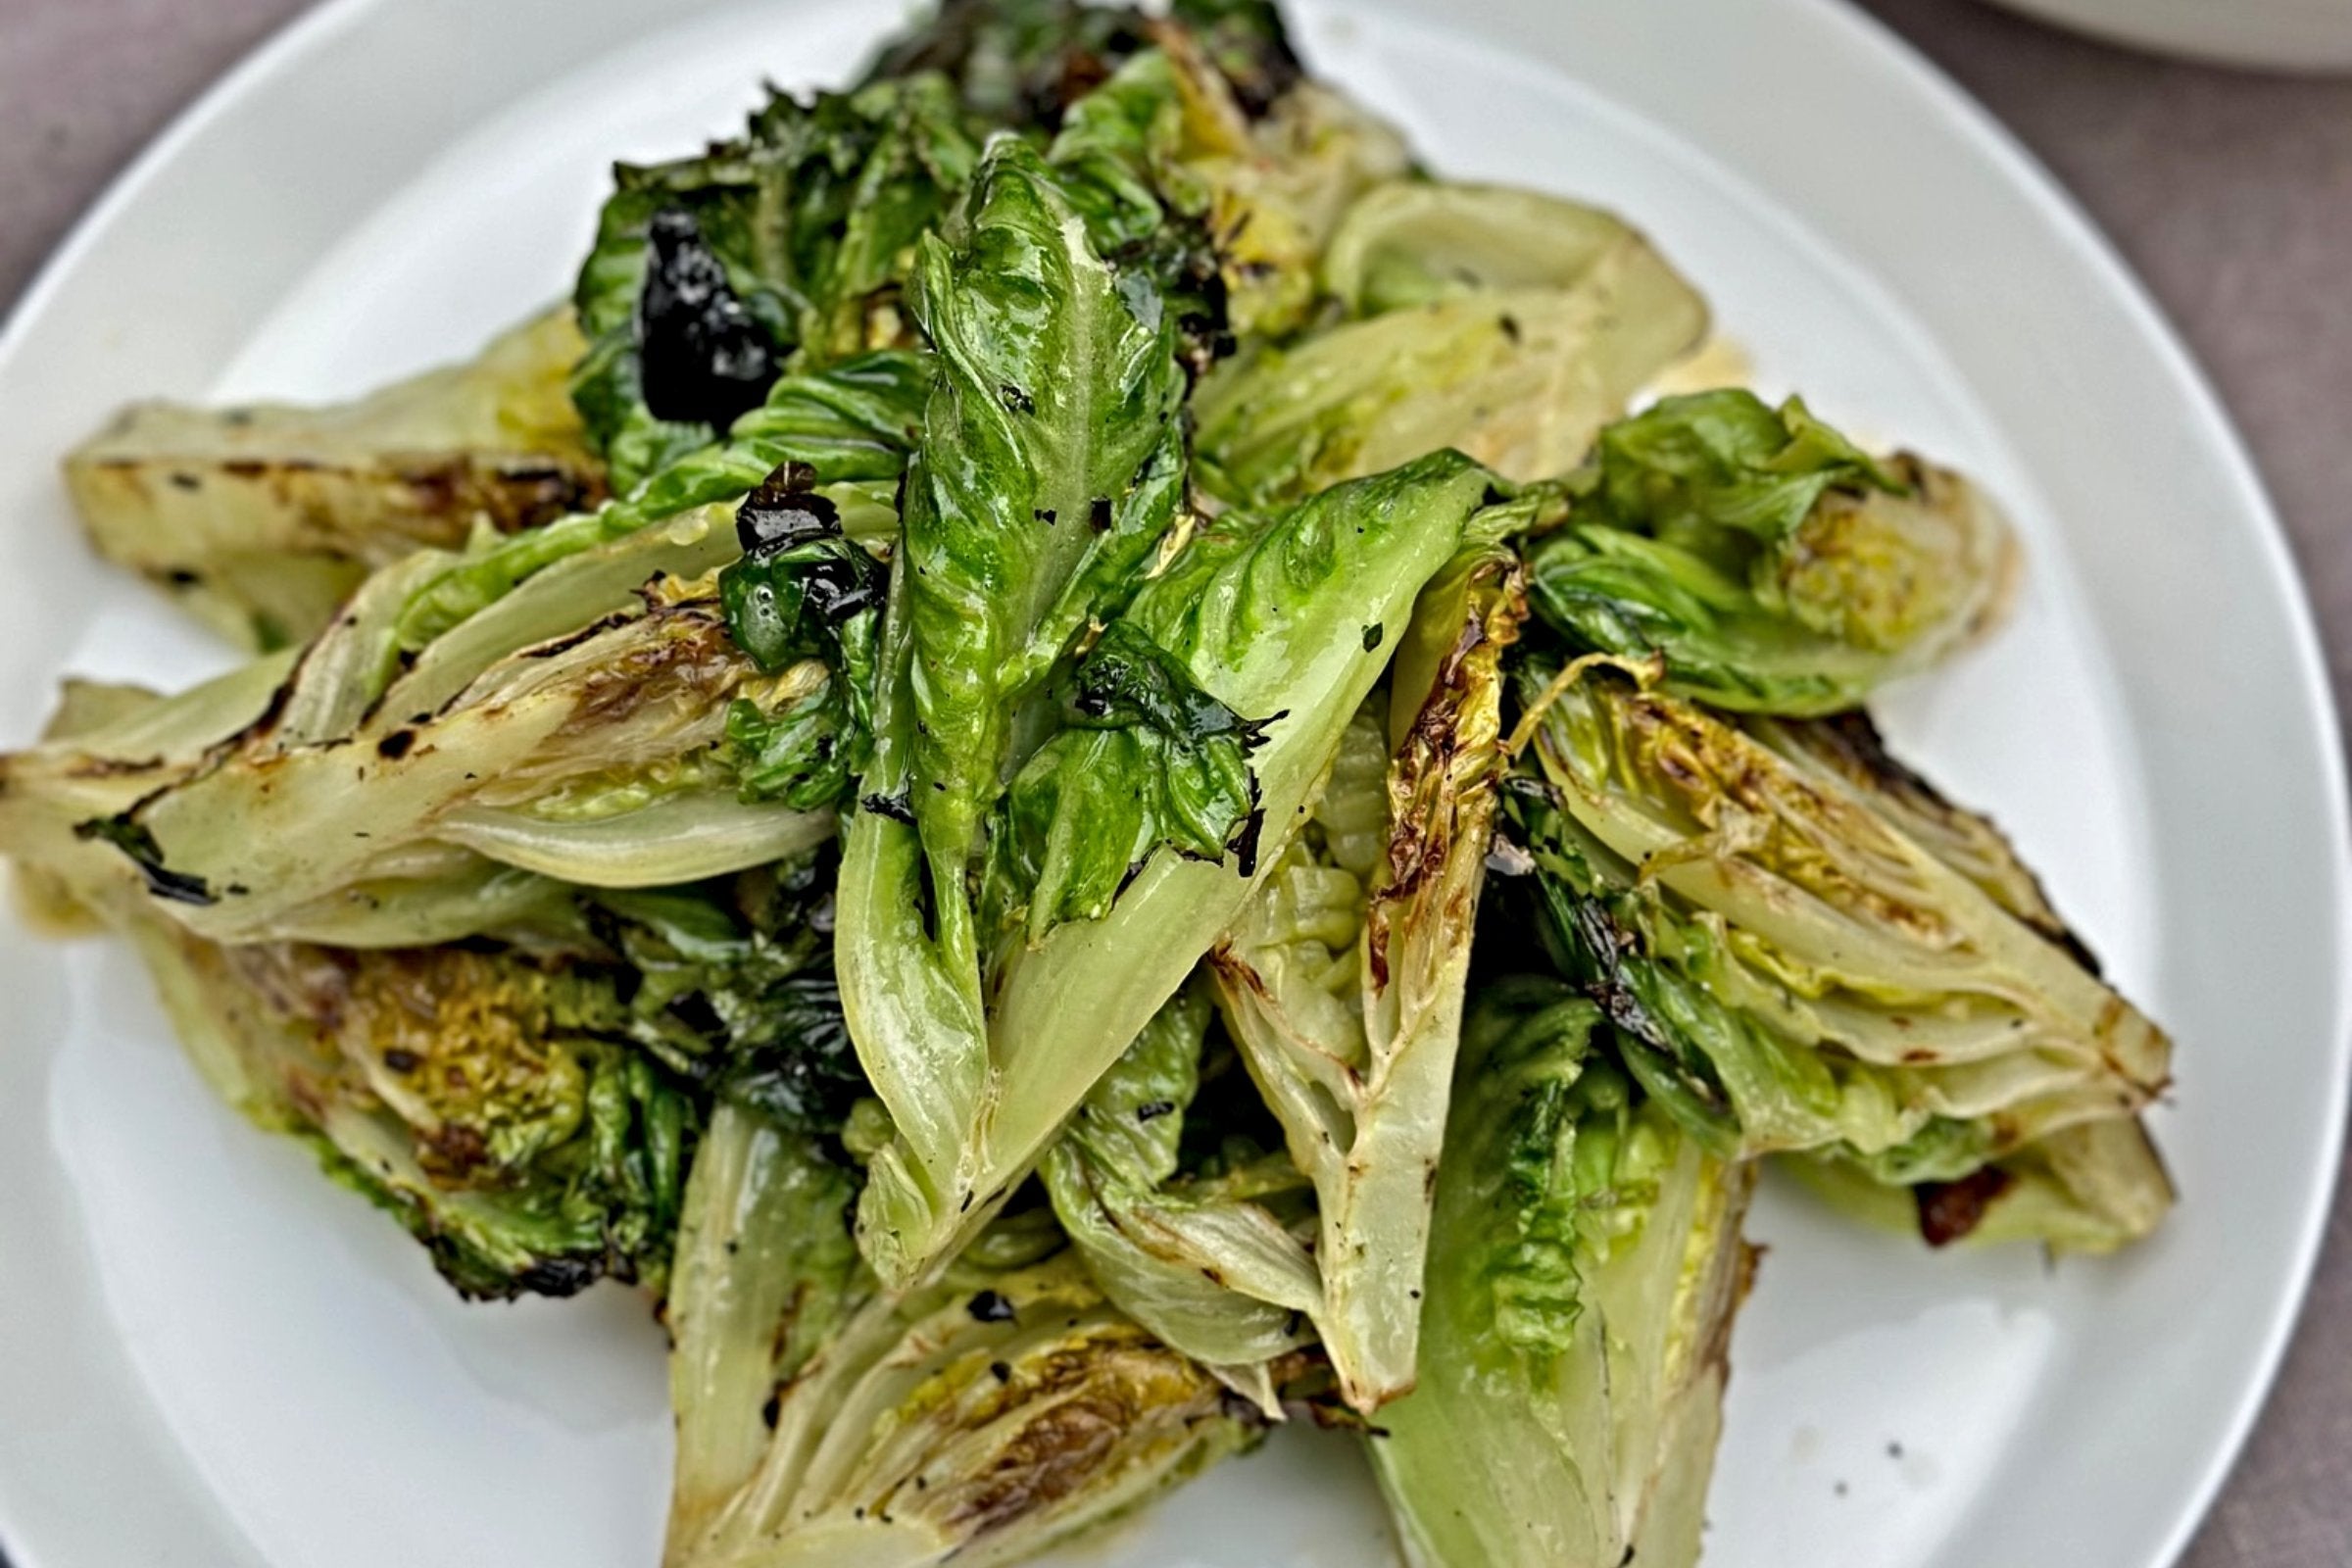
(281, 50)
(2075, 225)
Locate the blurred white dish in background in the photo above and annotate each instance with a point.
(2308, 35)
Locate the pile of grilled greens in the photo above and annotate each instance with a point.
(1060, 765)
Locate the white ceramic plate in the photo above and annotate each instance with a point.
(213, 1358)
(2302, 36)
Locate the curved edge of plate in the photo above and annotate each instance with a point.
(294, 37)
(165, 1533)
(2076, 228)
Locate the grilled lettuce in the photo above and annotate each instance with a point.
(1807, 950)
(259, 519)
(1060, 767)
(981, 1416)
(1519, 365)
(1212, 1255)
(1343, 979)
(1772, 565)
(1080, 729)
(1584, 1272)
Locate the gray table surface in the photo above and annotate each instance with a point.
(2231, 192)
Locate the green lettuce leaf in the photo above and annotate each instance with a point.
(1772, 565)
(1268, 616)
(1519, 377)
(1343, 980)
(1148, 759)
(1052, 467)
(784, 248)
(1766, 917)
(1584, 1272)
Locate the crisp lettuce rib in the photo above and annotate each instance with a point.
(1343, 980)
(1767, 914)
(1583, 1271)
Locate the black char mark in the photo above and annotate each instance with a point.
(135, 841)
(785, 511)
(1950, 1211)
(895, 806)
(703, 360)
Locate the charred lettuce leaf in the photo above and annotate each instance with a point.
(259, 519)
(1051, 469)
(978, 1417)
(803, 594)
(1584, 1272)
(527, 1113)
(783, 249)
(729, 986)
(1773, 564)
(339, 796)
(1023, 64)
(1343, 980)
(1519, 365)
(1278, 179)
(766, 1276)
(482, 1101)
(1805, 952)
(1017, 64)
(1273, 158)
(851, 424)
(980, 1050)
(575, 732)
(1214, 1261)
